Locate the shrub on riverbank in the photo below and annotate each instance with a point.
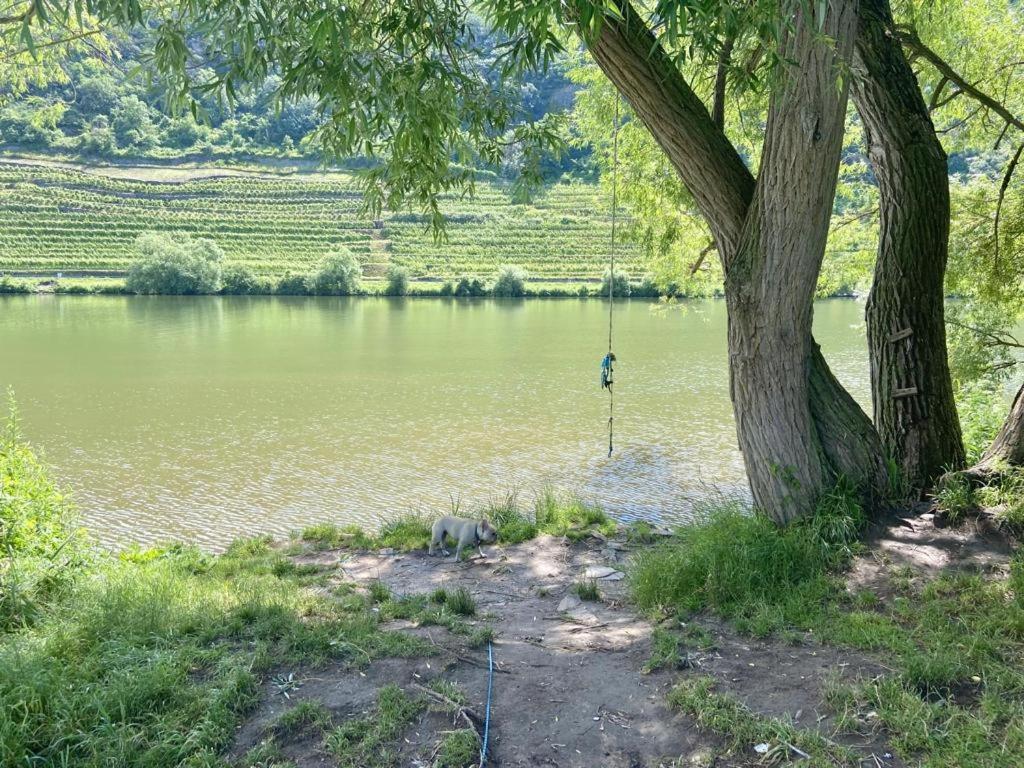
(338, 274)
(397, 281)
(622, 286)
(175, 265)
(239, 280)
(509, 283)
(42, 549)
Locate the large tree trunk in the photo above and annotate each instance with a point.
(799, 430)
(1008, 447)
(911, 389)
(771, 282)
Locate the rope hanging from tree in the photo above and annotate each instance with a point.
(607, 365)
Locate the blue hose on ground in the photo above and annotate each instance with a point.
(487, 715)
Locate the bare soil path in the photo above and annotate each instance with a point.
(570, 688)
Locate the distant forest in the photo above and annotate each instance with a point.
(112, 106)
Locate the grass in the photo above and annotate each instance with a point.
(570, 516)
(365, 742)
(954, 644)
(955, 498)
(726, 715)
(403, 533)
(153, 657)
(553, 514)
(587, 590)
(461, 602)
(459, 749)
(305, 714)
(745, 567)
(423, 609)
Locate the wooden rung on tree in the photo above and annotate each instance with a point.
(905, 392)
(901, 335)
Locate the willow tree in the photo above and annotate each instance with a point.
(911, 388)
(972, 73)
(400, 82)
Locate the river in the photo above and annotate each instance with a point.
(208, 418)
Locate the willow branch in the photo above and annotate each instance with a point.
(1007, 177)
(909, 38)
(990, 338)
(19, 18)
(51, 44)
(936, 93)
(701, 256)
(721, 80)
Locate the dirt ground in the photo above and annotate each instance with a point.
(570, 689)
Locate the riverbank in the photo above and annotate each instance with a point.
(104, 284)
(729, 642)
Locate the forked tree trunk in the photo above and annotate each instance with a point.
(799, 430)
(771, 282)
(911, 389)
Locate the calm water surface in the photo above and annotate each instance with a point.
(208, 418)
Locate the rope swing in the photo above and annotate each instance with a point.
(607, 365)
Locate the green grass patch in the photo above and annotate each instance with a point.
(421, 609)
(459, 749)
(553, 513)
(955, 498)
(330, 536)
(587, 590)
(461, 602)
(152, 658)
(745, 567)
(570, 516)
(305, 714)
(728, 716)
(379, 591)
(955, 643)
(366, 742)
(406, 533)
(513, 525)
(481, 636)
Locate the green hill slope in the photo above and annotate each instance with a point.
(57, 219)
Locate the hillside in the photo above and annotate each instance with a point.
(62, 219)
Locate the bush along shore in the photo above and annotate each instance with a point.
(397, 282)
(179, 264)
(174, 657)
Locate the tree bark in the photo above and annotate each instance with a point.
(798, 429)
(1008, 447)
(770, 285)
(912, 393)
(710, 167)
